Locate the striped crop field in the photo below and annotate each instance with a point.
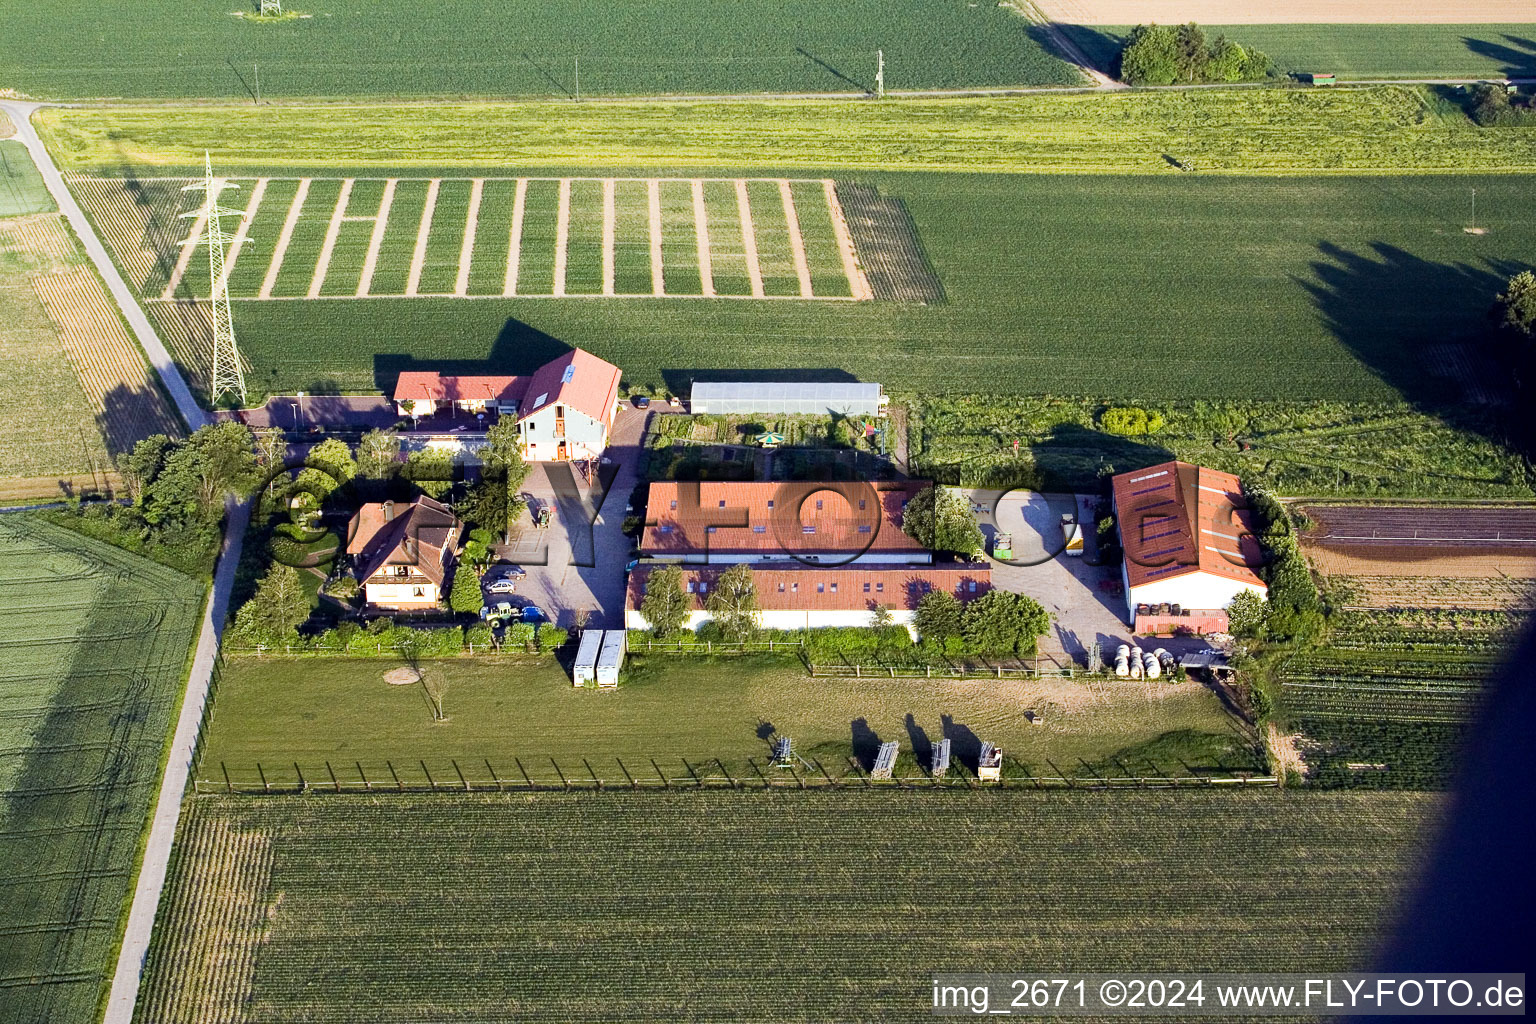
(95, 643)
(709, 906)
(493, 237)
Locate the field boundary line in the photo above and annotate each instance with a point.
(796, 240)
(295, 209)
(515, 237)
(858, 284)
(471, 226)
(419, 254)
(653, 203)
(608, 233)
(562, 235)
(749, 238)
(376, 238)
(242, 233)
(520, 295)
(489, 177)
(701, 238)
(184, 258)
(332, 231)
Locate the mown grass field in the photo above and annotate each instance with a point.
(21, 186)
(96, 647)
(1381, 129)
(165, 49)
(1122, 286)
(721, 906)
(1360, 51)
(278, 711)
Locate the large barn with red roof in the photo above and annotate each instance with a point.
(1188, 538)
(564, 409)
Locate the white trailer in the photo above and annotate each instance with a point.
(584, 672)
(989, 765)
(885, 760)
(611, 657)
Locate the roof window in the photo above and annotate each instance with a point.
(570, 372)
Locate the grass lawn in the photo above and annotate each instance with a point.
(279, 710)
(163, 48)
(21, 186)
(1360, 51)
(96, 649)
(750, 906)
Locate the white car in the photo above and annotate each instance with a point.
(501, 587)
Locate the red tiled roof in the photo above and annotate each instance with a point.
(593, 388)
(729, 517)
(429, 385)
(1175, 519)
(417, 535)
(794, 586)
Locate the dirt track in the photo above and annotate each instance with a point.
(1281, 12)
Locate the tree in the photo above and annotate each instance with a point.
(1190, 56)
(409, 405)
(334, 456)
(1001, 622)
(504, 451)
(1516, 305)
(665, 606)
(939, 617)
(435, 682)
(880, 618)
(216, 461)
(276, 610)
(139, 467)
(1150, 56)
(942, 519)
(1247, 615)
(733, 603)
(1227, 62)
(378, 452)
(465, 595)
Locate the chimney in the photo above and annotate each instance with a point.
(389, 511)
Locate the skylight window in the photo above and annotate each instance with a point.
(540, 400)
(570, 371)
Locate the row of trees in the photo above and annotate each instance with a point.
(1165, 55)
(997, 623)
(942, 519)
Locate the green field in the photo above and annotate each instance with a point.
(96, 646)
(314, 711)
(166, 48)
(728, 906)
(1127, 287)
(1360, 51)
(1382, 129)
(21, 186)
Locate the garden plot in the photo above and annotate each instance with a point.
(586, 237)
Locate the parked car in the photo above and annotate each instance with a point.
(533, 614)
(508, 572)
(502, 586)
(640, 402)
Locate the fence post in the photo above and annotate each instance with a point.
(428, 773)
(494, 777)
(661, 775)
(461, 774)
(265, 786)
(526, 779)
(334, 782)
(363, 775)
(399, 786)
(228, 786)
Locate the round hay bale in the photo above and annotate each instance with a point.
(403, 676)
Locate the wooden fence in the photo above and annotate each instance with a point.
(549, 775)
(712, 646)
(857, 671)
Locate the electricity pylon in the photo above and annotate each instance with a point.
(269, 7)
(228, 376)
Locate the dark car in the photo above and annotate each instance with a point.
(640, 402)
(508, 572)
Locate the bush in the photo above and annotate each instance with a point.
(552, 638)
(1492, 107)
(480, 635)
(519, 636)
(1130, 421)
(1163, 55)
(855, 645)
(344, 587)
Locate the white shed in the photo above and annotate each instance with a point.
(611, 657)
(585, 669)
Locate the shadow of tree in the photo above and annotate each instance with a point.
(1518, 58)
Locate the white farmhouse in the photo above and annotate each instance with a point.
(402, 552)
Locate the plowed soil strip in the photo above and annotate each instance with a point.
(653, 202)
(858, 284)
(796, 241)
(701, 230)
(467, 247)
(608, 226)
(562, 234)
(292, 221)
(188, 247)
(515, 245)
(376, 240)
(749, 239)
(323, 263)
(419, 256)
